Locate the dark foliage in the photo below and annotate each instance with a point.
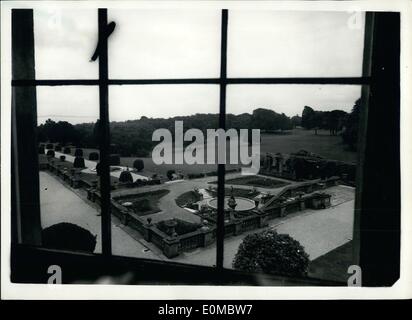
(170, 174)
(126, 177)
(78, 153)
(138, 164)
(78, 162)
(68, 236)
(67, 150)
(50, 153)
(41, 150)
(58, 147)
(49, 146)
(270, 252)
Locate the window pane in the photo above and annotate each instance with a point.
(70, 216)
(161, 205)
(164, 44)
(305, 186)
(295, 44)
(65, 40)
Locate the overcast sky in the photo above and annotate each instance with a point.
(184, 44)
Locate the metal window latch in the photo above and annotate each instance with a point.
(109, 30)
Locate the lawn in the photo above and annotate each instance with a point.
(256, 181)
(144, 203)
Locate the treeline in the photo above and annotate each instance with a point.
(134, 137)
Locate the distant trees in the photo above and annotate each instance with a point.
(296, 121)
(61, 131)
(350, 132)
(269, 120)
(329, 120)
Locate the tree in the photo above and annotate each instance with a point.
(270, 252)
(296, 121)
(138, 164)
(78, 162)
(126, 177)
(350, 131)
(308, 115)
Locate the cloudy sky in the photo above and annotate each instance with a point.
(183, 44)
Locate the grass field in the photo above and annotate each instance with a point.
(330, 147)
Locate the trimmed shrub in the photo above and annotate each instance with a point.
(138, 164)
(68, 236)
(94, 156)
(50, 153)
(170, 174)
(62, 158)
(114, 160)
(41, 150)
(67, 150)
(270, 252)
(125, 177)
(49, 146)
(78, 162)
(58, 147)
(78, 153)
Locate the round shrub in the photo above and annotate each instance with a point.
(49, 146)
(138, 164)
(62, 158)
(68, 236)
(270, 252)
(50, 153)
(41, 150)
(94, 156)
(67, 150)
(58, 147)
(125, 177)
(170, 174)
(114, 160)
(78, 162)
(78, 153)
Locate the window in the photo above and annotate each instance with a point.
(218, 72)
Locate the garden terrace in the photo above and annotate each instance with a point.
(142, 204)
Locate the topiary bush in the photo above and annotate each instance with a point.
(170, 174)
(67, 150)
(78, 162)
(126, 177)
(62, 158)
(114, 160)
(41, 150)
(50, 153)
(138, 164)
(58, 147)
(68, 236)
(270, 252)
(78, 153)
(94, 156)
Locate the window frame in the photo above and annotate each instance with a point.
(27, 80)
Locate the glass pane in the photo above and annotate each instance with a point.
(304, 189)
(70, 214)
(164, 44)
(65, 40)
(161, 205)
(295, 44)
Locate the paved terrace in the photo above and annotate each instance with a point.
(319, 231)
